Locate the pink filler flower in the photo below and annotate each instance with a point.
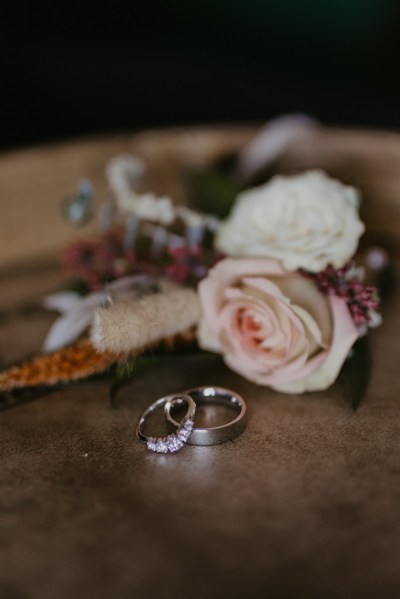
(274, 327)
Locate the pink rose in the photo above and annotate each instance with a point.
(274, 327)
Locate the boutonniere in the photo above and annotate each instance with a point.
(273, 288)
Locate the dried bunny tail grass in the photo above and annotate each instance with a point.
(78, 361)
(163, 321)
(74, 362)
(129, 326)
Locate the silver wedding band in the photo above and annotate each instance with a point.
(211, 396)
(185, 430)
(177, 440)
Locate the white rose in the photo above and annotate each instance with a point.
(305, 221)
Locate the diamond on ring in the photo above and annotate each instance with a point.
(175, 441)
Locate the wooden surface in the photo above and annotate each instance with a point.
(303, 504)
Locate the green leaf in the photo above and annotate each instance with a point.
(356, 372)
(212, 192)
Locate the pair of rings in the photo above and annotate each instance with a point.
(186, 432)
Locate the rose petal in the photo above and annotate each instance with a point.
(345, 334)
(279, 379)
(225, 274)
(290, 355)
(206, 338)
(311, 329)
(304, 293)
(265, 286)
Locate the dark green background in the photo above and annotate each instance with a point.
(72, 68)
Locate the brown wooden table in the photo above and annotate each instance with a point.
(304, 504)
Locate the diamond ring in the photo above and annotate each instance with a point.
(211, 396)
(177, 440)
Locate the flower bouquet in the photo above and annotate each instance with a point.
(272, 287)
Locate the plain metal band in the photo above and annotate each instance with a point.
(212, 395)
(183, 397)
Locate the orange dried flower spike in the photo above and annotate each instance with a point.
(75, 362)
